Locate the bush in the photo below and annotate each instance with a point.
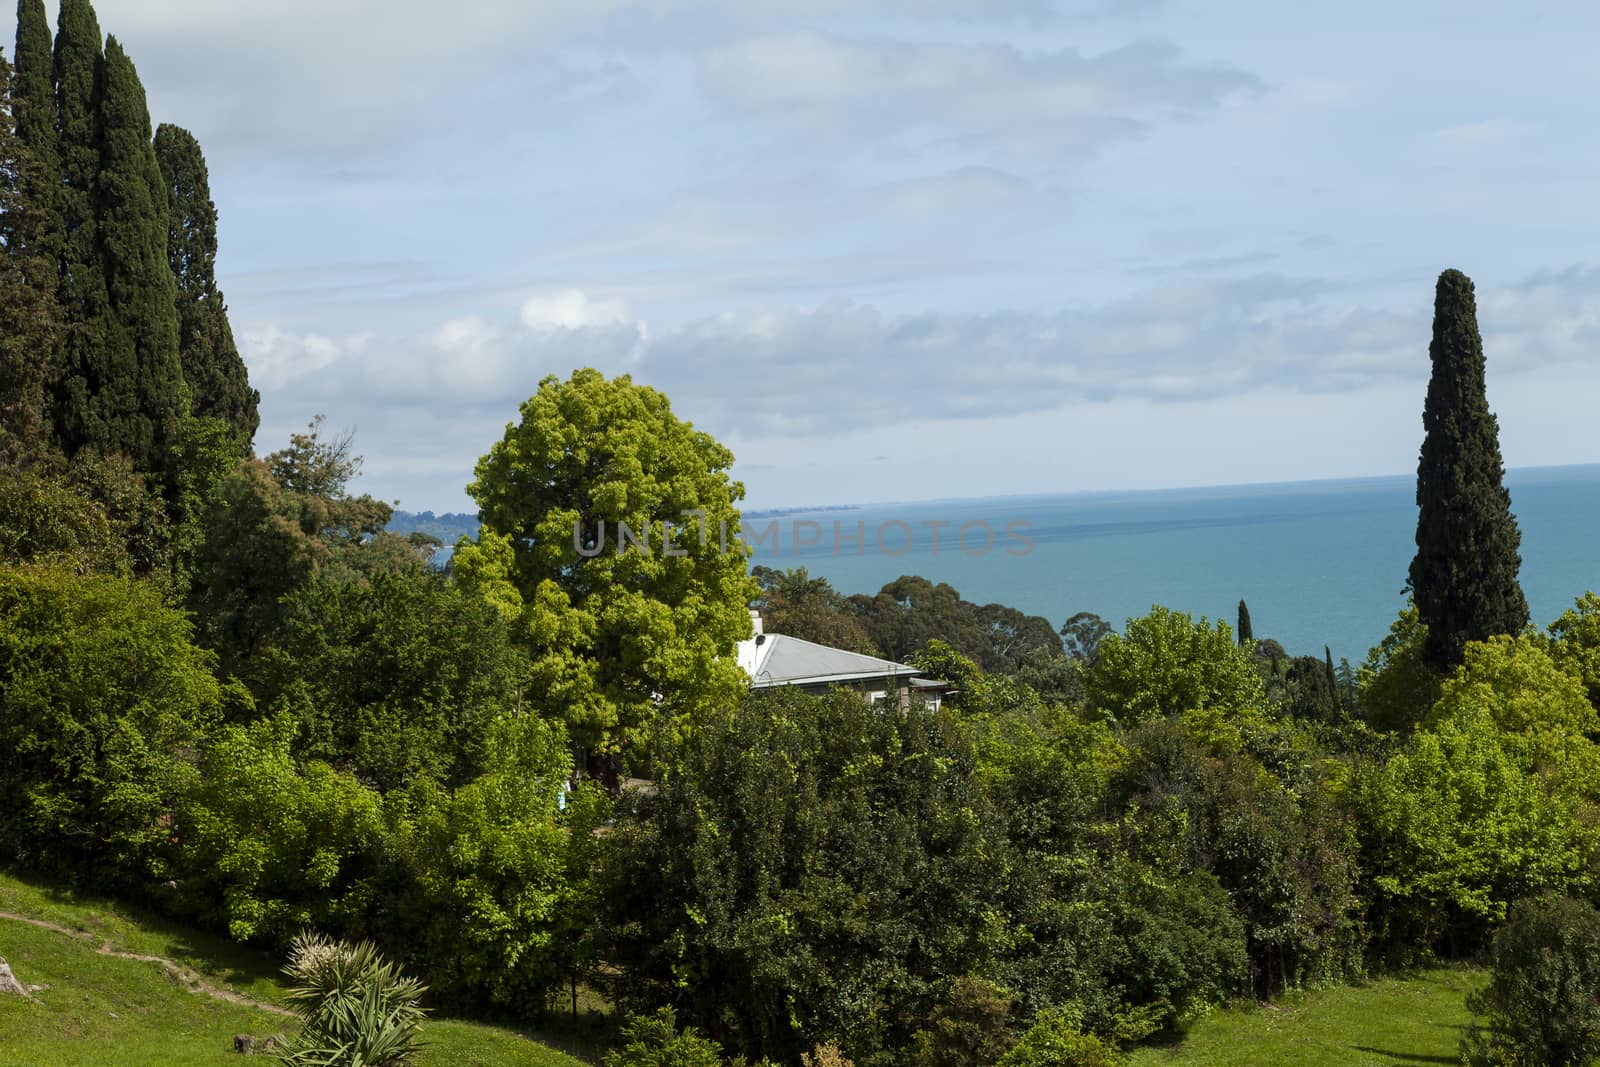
(271, 847)
(356, 1010)
(1054, 1040)
(656, 1041)
(102, 698)
(1543, 999)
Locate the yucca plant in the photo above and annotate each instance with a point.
(355, 1008)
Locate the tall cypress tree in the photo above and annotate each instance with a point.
(1464, 576)
(29, 324)
(218, 382)
(1246, 637)
(88, 404)
(141, 339)
(33, 109)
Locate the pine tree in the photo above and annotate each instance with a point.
(1464, 576)
(1246, 637)
(88, 402)
(218, 383)
(143, 399)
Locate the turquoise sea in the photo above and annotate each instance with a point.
(1318, 562)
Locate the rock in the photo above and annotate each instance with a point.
(9, 983)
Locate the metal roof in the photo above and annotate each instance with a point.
(774, 659)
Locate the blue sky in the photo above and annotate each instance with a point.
(900, 249)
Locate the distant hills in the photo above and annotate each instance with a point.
(449, 527)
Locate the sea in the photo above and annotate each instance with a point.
(1319, 563)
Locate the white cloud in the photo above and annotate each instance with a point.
(572, 309)
(1054, 100)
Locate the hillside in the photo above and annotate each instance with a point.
(115, 987)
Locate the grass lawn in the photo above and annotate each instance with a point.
(1415, 1020)
(102, 1009)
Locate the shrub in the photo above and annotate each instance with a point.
(825, 1056)
(356, 1009)
(102, 698)
(1054, 1040)
(1543, 999)
(656, 1041)
(270, 847)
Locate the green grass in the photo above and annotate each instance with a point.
(104, 1010)
(1415, 1020)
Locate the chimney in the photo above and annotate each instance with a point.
(755, 622)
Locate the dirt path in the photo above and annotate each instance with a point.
(186, 976)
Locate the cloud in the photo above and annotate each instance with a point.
(842, 364)
(838, 368)
(339, 78)
(1047, 99)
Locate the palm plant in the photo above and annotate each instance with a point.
(355, 1008)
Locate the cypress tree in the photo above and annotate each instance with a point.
(218, 383)
(33, 110)
(143, 399)
(1245, 636)
(89, 403)
(1333, 678)
(1464, 575)
(29, 324)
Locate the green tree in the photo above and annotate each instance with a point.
(1542, 1003)
(1542, 712)
(33, 109)
(795, 604)
(910, 611)
(139, 398)
(272, 526)
(79, 80)
(103, 695)
(1167, 663)
(218, 383)
(494, 897)
(1279, 840)
(29, 316)
(1246, 636)
(399, 675)
(1082, 635)
(1464, 575)
(1576, 644)
(620, 633)
(811, 869)
(270, 847)
(1455, 829)
(1395, 687)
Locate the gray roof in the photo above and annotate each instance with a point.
(781, 660)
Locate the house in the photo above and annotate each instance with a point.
(773, 660)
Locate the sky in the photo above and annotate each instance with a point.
(899, 249)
